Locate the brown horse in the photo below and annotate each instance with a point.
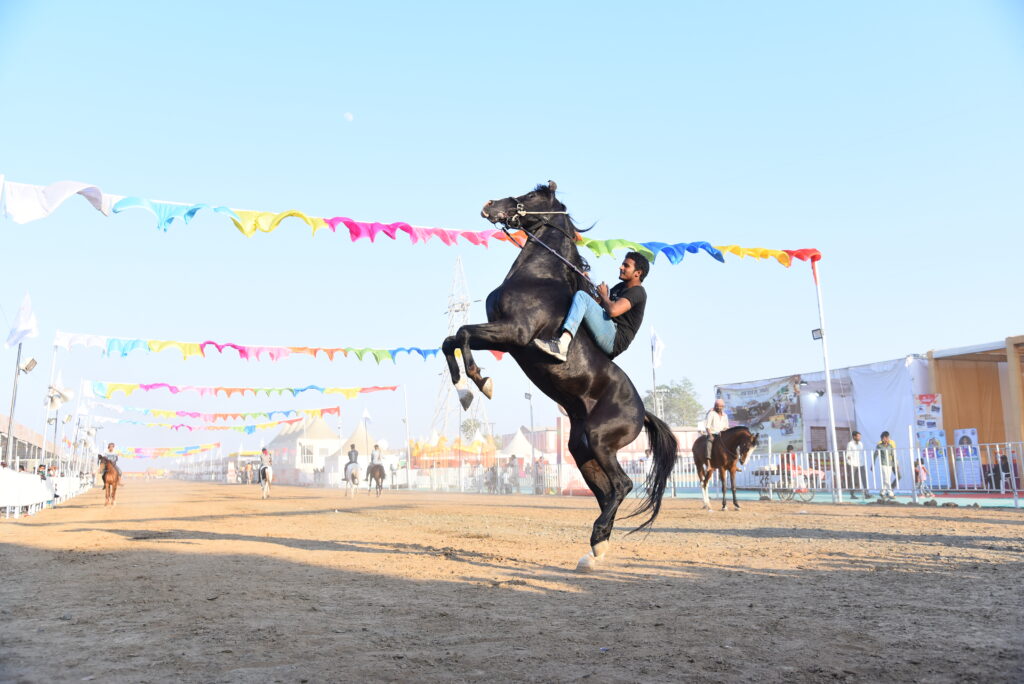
(730, 449)
(375, 477)
(110, 479)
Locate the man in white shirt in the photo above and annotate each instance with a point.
(111, 456)
(856, 470)
(714, 423)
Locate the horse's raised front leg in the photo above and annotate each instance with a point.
(448, 348)
(497, 335)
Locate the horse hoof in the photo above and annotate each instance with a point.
(465, 398)
(587, 563)
(599, 549)
(735, 508)
(488, 388)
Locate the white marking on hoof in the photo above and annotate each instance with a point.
(587, 564)
(488, 388)
(600, 549)
(465, 398)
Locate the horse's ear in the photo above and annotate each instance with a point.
(552, 185)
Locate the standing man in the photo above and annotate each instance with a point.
(856, 468)
(614, 320)
(885, 452)
(714, 422)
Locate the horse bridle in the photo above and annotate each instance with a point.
(515, 222)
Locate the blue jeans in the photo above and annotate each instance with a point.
(585, 308)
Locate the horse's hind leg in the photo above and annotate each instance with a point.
(704, 476)
(610, 485)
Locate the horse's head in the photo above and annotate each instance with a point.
(526, 211)
(748, 446)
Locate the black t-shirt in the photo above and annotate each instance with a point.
(628, 323)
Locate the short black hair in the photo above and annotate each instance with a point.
(856, 434)
(885, 434)
(641, 263)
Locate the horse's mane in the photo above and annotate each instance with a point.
(737, 427)
(575, 258)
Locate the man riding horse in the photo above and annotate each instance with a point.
(715, 422)
(612, 318)
(111, 456)
(604, 409)
(266, 461)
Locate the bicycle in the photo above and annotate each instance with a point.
(787, 485)
(799, 488)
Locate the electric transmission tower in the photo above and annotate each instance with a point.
(447, 406)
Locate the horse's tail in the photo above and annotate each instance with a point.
(663, 449)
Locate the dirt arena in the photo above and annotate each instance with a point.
(202, 582)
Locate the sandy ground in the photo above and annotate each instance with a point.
(197, 582)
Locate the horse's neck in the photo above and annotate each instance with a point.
(537, 260)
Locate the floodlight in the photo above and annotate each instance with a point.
(816, 334)
(28, 366)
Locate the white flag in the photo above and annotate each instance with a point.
(657, 348)
(25, 325)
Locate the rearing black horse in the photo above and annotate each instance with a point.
(604, 409)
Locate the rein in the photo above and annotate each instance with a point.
(514, 220)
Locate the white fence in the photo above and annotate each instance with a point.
(26, 493)
(990, 470)
(987, 469)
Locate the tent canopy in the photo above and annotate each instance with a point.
(520, 447)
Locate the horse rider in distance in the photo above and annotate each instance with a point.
(613, 318)
(715, 422)
(111, 456)
(266, 460)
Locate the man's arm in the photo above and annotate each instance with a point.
(613, 308)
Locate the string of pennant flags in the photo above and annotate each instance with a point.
(106, 390)
(123, 346)
(25, 202)
(168, 452)
(215, 417)
(179, 427)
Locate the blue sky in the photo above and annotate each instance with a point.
(887, 135)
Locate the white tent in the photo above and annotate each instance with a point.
(521, 448)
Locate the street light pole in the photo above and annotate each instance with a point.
(408, 442)
(533, 448)
(18, 370)
(837, 491)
